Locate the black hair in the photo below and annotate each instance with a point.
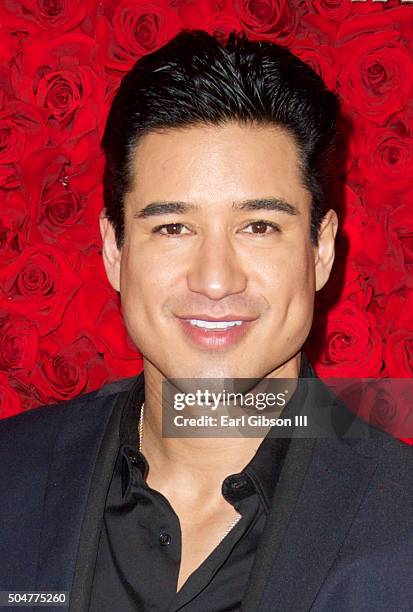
(197, 79)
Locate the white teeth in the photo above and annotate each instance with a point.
(214, 324)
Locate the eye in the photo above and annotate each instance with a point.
(260, 227)
(170, 229)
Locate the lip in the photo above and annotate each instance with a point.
(217, 339)
(228, 317)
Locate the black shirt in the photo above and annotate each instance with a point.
(139, 551)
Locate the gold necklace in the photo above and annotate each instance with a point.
(141, 427)
(232, 524)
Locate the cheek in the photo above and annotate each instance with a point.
(287, 284)
(146, 281)
(135, 287)
(288, 273)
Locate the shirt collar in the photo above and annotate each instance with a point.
(260, 474)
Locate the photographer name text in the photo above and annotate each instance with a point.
(257, 420)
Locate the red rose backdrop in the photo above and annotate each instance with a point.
(61, 330)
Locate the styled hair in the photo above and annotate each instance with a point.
(196, 79)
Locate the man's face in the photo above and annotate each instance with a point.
(218, 255)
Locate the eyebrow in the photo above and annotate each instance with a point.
(163, 208)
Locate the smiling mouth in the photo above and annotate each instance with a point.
(213, 325)
(215, 334)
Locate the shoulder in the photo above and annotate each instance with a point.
(47, 417)
(346, 431)
(390, 450)
(393, 460)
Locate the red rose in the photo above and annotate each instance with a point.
(341, 13)
(64, 92)
(332, 9)
(221, 24)
(386, 159)
(131, 29)
(387, 257)
(384, 403)
(19, 343)
(21, 132)
(66, 200)
(390, 406)
(59, 377)
(10, 403)
(380, 159)
(101, 319)
(272, 19)
(36, 15)
(64, 79)
(13, 225)
(386, 407)
(66, 369)
(62, 207)
(398, 348)
(403, 223)
(375, 78)
(38, 285)
(350, 343)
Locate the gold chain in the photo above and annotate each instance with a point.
(141, 427)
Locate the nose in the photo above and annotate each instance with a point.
(215, 269)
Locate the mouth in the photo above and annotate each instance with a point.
(210, 333)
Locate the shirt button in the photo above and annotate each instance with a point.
(164, 539)
(132, 457)
(238, 484)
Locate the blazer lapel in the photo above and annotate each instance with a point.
(71, 465)
(93, 514)
(321, 487)
(93, 506)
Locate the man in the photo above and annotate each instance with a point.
(217, 231)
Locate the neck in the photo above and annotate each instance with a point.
(196, 465)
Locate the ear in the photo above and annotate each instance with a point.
(110, 252)
(325, 251)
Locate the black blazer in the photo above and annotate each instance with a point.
(339, 537)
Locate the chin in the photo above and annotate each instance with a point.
(215, 371)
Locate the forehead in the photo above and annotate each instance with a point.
(221, 163)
